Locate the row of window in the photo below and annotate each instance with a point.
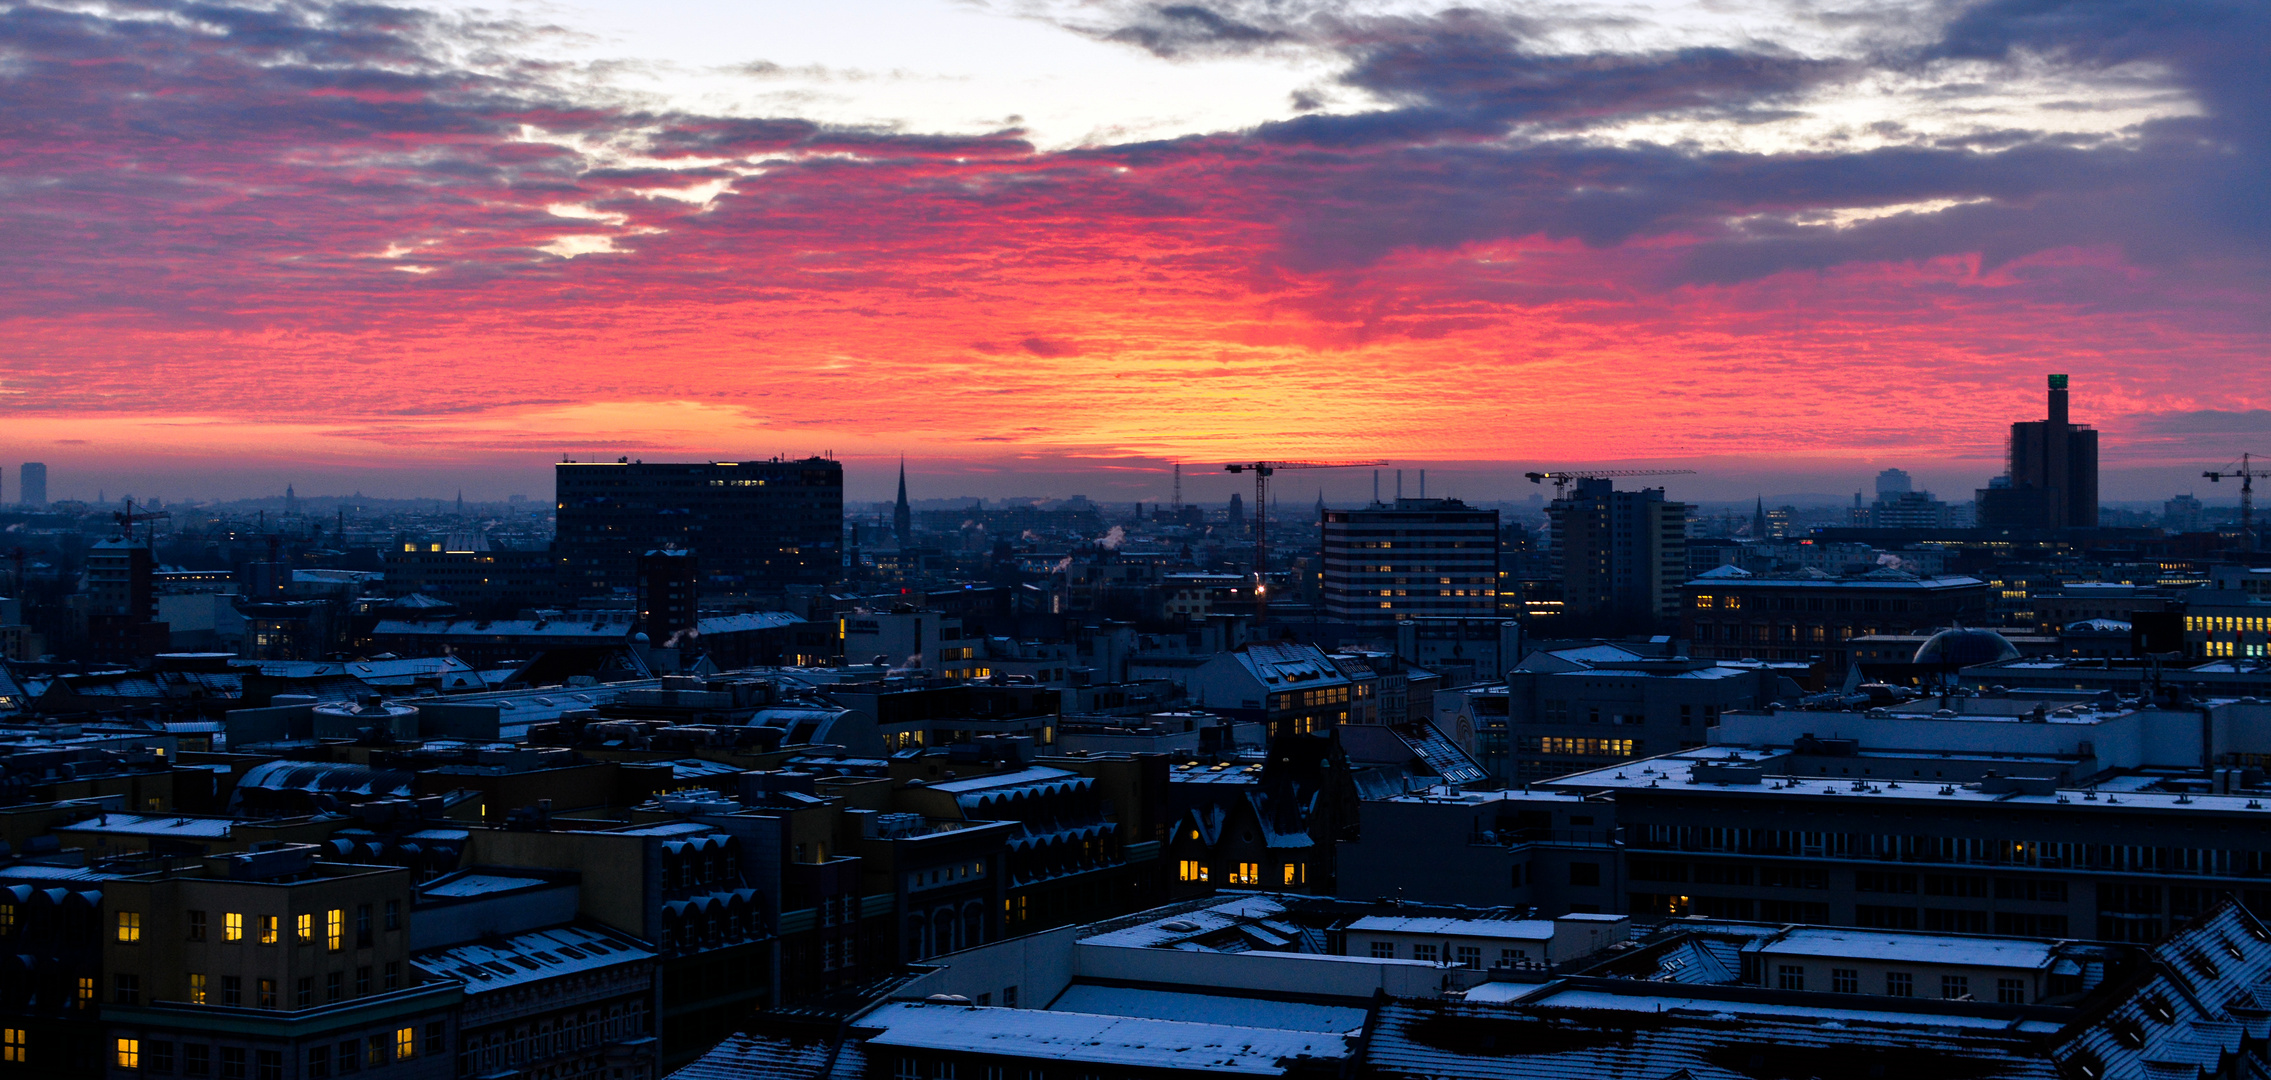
(156, 1056)
(1466, 956)
(231, 989)
(1954, 849)
(236, 926)
(1245, 873)
(1900, 984)
(1708, 602)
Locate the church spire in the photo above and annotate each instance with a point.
(902, 515)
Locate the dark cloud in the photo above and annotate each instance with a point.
(1180, 30)
(2204, 422)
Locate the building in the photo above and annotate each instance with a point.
(1415, 558)
(269, 963)
(1463, 651)
(1621, 554)
(1292, 689)
(902, 514)
(758, 527)
(669, 594)
(2052, 479)
(31, 485)
(469, 572)
(572, 1002)
(122, 603)
(1735, 614)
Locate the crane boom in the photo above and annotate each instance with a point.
(1262, 471)
(2246, 473)
(1561, 480)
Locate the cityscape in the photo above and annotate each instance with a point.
(1114, 540)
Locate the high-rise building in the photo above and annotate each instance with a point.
(2053, 474)
(31, 485)
(757, 526)
(1892, 483)
(1417, 558)
(1621, 555)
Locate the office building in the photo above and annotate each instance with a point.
(1432, 558)
(1733, 614)
(1621, 555)
(2052, 481)
(758, 527)
(669, 592)
(31, 486)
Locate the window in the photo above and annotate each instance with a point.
(394, 974)
(1844, 980)
(334, 929)
(232, 990)
(232, 1063)
(126, 989)
(12, 1045)
(129, 1053)
(1900, 984)
(349, 1057)
(1192, 870)
(129, 927)
(269, 934)
(437, 1037)
(1423, 952)
(86, 996)
(196, 1059)
(269, 1065)
(1470, 956)
(1513, 957)
(405, 1043)
(303, 929)
(1383, 950)
(2010, 991)
(375, 1050)
(1584, 873)
(232, 926)
(303, 994)
(267, 998)
(362, 980)
(1009, 997)
(319, 1061)
(394, 914)
(160, 1058)
(1296, 873)
(362, 926)
(1790, 977)
(1247, 874)
(908, 1068)
(334, 985)
(196, 926)
(1955, 986)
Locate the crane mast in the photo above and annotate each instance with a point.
(1262, 471)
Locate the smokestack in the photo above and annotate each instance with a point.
(1375, 487)
(1399, 485)
(1423, 483)
(2057, 401)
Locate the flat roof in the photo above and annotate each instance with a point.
(1823, 1012)
(153, 825)
(1952, 949)
(1207, 1008)
(1507, 929)
(1096, 1039)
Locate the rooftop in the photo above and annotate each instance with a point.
(1096, 1039)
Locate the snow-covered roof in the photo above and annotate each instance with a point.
(1951, 949)
(1095, 1039)
(1207, 1008)
(1506, 929)
(530, 957)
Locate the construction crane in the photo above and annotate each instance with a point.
(128, 518)
(1262, 471)
(2246, 473)
(1561, 479)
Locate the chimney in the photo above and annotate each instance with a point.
(2057, 401)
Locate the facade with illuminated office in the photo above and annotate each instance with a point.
(1385, 563)
(1732, 614)
(757, 526)
(269, 964)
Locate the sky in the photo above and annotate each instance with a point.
(1053, 246)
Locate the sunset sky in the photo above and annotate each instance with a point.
(1046, 247)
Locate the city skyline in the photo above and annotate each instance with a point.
(400, 240)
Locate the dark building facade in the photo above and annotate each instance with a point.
(2053, 477)
(757, 526)
(669, 592)
(1620, 555)
(1733, 615)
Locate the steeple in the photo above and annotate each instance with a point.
(1758, 520)
(903, 516)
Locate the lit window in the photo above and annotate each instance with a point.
(86, 990)
(129, 1053)
(405, 1043)
(129, 927)
(232, 927)
(269, 933)
(196, 989)
(303, 929)
(334, 929)
(13, 1044)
